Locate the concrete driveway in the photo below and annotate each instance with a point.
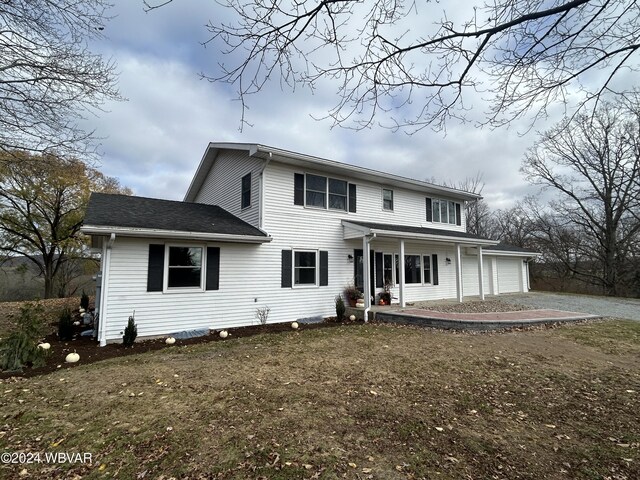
(606, 306)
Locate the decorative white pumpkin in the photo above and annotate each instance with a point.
(72, 358)
(170, 341)
(81, 310)
(295, 325)
(44, 346)
(76, 323)
(224, 334)
(352, 318)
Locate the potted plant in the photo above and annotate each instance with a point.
(385, 295)
(352, 294)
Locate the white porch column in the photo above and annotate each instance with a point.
(480, 273)
(401, 273)
(459, 287)
(366, 277)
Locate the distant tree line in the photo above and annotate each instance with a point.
(589, 233)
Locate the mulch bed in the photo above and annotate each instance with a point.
(90, 351)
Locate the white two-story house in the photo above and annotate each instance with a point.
(263, 227)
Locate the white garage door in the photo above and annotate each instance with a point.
(470, 275)
(509, 275)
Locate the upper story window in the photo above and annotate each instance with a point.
(316, 191)
(387, 199)
(246, 191)
(443, 211)
(324, 192)
(184, 269)
(337, 194)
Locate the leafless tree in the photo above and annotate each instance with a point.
(477, 213)
(49, 78)
(389, 59)
(593, 164)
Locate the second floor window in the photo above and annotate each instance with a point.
(387, 199)
(316, 191)
(246, 191)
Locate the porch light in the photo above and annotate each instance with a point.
(350, 258)
(447, 261)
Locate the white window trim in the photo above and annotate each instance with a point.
(203, 267)
(326, 194)
(393, 200)
(430, 282)
(242, 209)
(449, 213)
(293, 268)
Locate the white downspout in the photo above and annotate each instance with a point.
(480, 273)
(262, 194)
(366, 269)
(106, 267)
(459, 284)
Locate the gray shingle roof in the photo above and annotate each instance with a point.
(505, 247)
(421, 230)
(107, 210)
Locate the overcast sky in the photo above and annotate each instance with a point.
(154, 141)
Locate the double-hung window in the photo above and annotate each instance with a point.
(443, 211)
(337, 194)
(316, 191)
(304, 268)
(387, 199)
(246, 191)
(426, 269)
(323, 192)
(184, 269)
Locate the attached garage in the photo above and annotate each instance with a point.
(509, 274)
(470, 275)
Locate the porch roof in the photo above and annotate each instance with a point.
(355, 229)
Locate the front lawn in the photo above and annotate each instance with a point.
(357, 401)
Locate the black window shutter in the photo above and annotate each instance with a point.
(434, 269)
(458, 216)
(298, 193)
(379, 270)
(286, 268)
(429, 210)
(213, 268)
(155, 272)
(352, 197)
(324, 268)
(372, 270)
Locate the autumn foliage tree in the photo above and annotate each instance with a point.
(42, 203)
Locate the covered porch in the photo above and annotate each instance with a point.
(416, 261)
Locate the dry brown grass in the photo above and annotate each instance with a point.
(360, 401)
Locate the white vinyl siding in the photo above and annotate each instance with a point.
(223, 185)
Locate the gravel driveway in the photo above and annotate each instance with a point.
(609, 307)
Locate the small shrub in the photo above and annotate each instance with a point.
(262, 314)
(65, 325)
(20, 348)
(84, 301)
(130, 332)
(340, 308)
